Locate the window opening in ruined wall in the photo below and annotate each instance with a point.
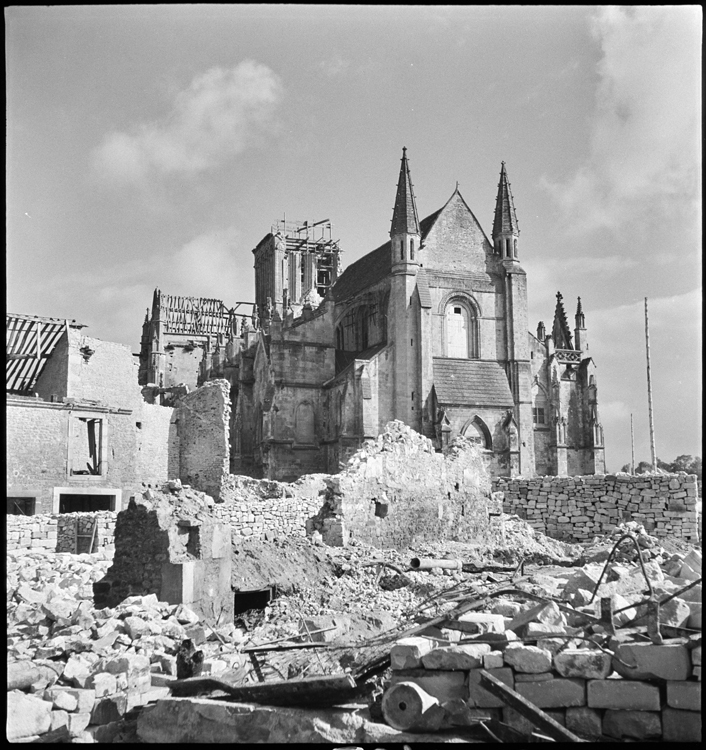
(477, 432)
(86, 454)
(21, 506)
(539, 407)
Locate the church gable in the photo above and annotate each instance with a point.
(456, 242)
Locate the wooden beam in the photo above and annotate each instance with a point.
(526, 708)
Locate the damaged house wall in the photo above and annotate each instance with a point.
(171, 546)
(84, 436)
(398, 490)
(204, 436)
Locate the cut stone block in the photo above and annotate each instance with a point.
(696, 656)
(444, 686)
(538, 677)
(27, 716)
(625, 695)
(668, 662)
(551, 615)
(84, 699)
(493, 660)
(110, 709)
(542, 630)
(407, 652)
(506, 608)
(681, 726)
(554, 645)
(637, 725)
(692, 566)
(59, 719)
(459, 657)
(557, 693)
(684, 695)
(517, 721)
(78, 722)
(479, 697)
(136, 627)
(64, 701)
(103, 683)
(482, 622)
(527, 658)
(584, 721)
(584, 663)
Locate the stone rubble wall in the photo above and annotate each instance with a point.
(267, 509)
(579, 508)
(577, 687)
(58, 532)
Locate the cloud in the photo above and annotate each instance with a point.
(644, 152)
(217, 116)
(334, 66)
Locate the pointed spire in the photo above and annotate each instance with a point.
(505, 222)
(404, 216)
(560, 330)
(580, 319)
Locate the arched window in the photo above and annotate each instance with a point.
(304, 431)
(461, 330)
(477, 432)
(540, 413)
(411, 249)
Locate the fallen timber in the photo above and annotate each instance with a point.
(318, 691)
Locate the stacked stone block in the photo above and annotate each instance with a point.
(576, 687)
(58, 532)
(579, 508)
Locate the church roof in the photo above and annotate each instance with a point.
(505, 217)
(423, 288)
(372, 267)
(472, 382)
(404, 215)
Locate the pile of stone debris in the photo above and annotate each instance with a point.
(76, 673)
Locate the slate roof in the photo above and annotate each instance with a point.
(29, 343)
(472, 382)
(423, 288)
(372, 267)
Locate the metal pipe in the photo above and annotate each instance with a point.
(424, 563)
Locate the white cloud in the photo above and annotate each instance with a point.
(217, 116)
(644, 152)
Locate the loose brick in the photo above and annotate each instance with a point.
(627, 695)
(557, 693)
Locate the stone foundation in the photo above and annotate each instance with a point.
(68, 532)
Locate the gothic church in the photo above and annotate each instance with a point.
(429, 328)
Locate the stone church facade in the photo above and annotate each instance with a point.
(429, 328)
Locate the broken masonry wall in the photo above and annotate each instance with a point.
(157, 457)
(68, 532)
(398, 490)
(579, 508)
(171, 545)
(203, 418)
(267, 509)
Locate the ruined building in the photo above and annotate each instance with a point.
(429, 328)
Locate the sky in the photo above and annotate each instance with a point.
(154, 146)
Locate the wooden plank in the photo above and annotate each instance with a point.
(526, 708)
(307, 691)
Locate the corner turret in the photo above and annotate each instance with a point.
(505, 229)
(405, 236)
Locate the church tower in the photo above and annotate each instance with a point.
(505, 240)
(405, 241)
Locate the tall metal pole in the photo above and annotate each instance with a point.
(653, 451)
(632, 447)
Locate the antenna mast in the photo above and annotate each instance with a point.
(653, 451)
